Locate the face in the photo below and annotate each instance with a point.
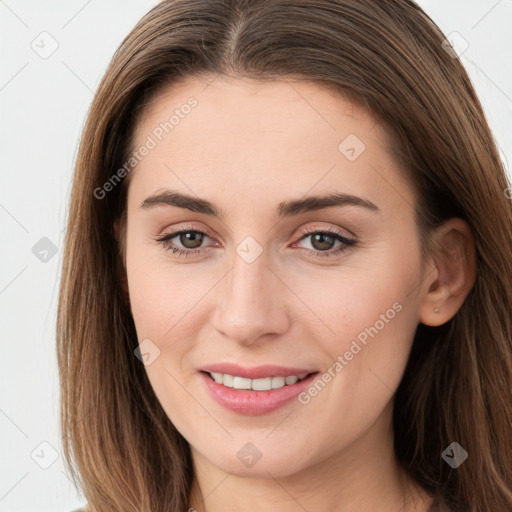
(251, 273)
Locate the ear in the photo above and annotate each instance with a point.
(454, 274)
(121, 267)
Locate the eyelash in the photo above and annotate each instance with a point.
(338, 235)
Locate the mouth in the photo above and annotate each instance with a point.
(255, 391)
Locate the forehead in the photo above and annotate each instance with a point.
(244, 136)
(230, 102)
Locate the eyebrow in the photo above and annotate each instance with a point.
(284, 209)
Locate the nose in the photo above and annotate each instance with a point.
(251, 302)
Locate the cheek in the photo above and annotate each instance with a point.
(367, 314)
(162, 309)
(151, 300)
(160, 291)
(366, 319)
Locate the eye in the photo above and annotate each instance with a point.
(190, 239)
(322, 242)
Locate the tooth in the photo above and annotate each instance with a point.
(217, 377)
(241, 383)
(262, 384)
(227, 380)
(277, 382)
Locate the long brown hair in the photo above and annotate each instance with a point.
(388, 55)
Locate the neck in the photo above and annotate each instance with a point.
(362, 476)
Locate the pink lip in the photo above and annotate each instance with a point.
(256, 372)
(253, 403)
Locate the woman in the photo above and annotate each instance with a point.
(286, 274)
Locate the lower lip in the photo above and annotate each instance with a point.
(253, 403)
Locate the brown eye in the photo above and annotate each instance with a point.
(191, 239)
(322, 241)
(186, 242)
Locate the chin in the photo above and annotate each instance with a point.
(249, 461)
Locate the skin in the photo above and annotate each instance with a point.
(246, 147)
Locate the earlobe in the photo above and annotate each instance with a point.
(454, 276)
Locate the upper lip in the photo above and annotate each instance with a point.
(255, 372)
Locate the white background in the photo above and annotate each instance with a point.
(43, 107)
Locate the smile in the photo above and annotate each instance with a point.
(257, 390)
